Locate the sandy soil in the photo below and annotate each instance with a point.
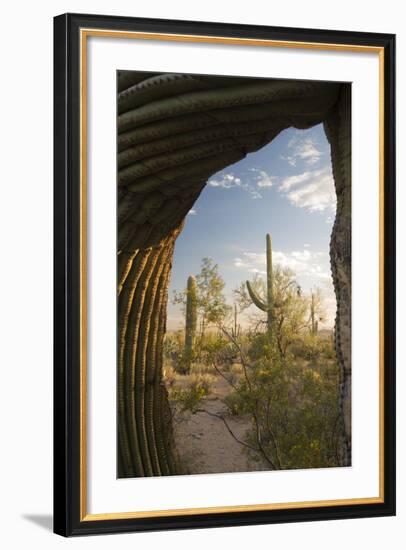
(204, 443)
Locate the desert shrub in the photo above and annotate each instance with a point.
(217, 349)
(234, 373)
(293, 408)
(183, 400)
(189, 398)
(200, 367)
(169, 375)
(313, 347)
(202, 381)
(173, 345)
(174, 351)
(327, 348)
(235, 405)
(282, 371)
(259, 347)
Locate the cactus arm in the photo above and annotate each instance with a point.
(256, 299)
(265, 305)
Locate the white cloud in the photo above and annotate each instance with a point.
(262, 178)
(303, 149)
(192, 212)
(312, 267)
(254, 194)
(291, 181)
(252, 185)
(229, 181)
(313, 190)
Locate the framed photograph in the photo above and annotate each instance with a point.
(224, 274)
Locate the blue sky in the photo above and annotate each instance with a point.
(285, 189)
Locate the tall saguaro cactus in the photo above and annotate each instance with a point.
(266, 305)
(191, 321)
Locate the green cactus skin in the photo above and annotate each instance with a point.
(268, 305)
(191, 321)
(141, 394)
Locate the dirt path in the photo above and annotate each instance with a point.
(204, 443)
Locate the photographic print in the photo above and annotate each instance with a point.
(233, 274)
(224, 263)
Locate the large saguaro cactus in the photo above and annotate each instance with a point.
(266, 305)
(191, 321)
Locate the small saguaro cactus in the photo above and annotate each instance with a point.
(236, 329)
(191, 321)
(266, 305)
(314, 320)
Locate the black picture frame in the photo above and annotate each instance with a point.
(67, 351)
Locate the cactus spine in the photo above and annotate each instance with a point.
(266, 305)
(191, 321)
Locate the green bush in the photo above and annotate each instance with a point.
(313, 347)
(293, 408)
(189, 399)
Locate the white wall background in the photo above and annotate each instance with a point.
(26, 273)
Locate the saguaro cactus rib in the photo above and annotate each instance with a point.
(141, 380)
(140, 307)
(158, 87)
(131, 458)
(139, 363)
(126, 79)
(160, 406)
(174, 174)
(170, 217)
(139, 312)
(213, 133)
(156, 131)
(151, 371)
(133, 422)
(151, 135)
(182, 156)
(124, 264)
(263, 91)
